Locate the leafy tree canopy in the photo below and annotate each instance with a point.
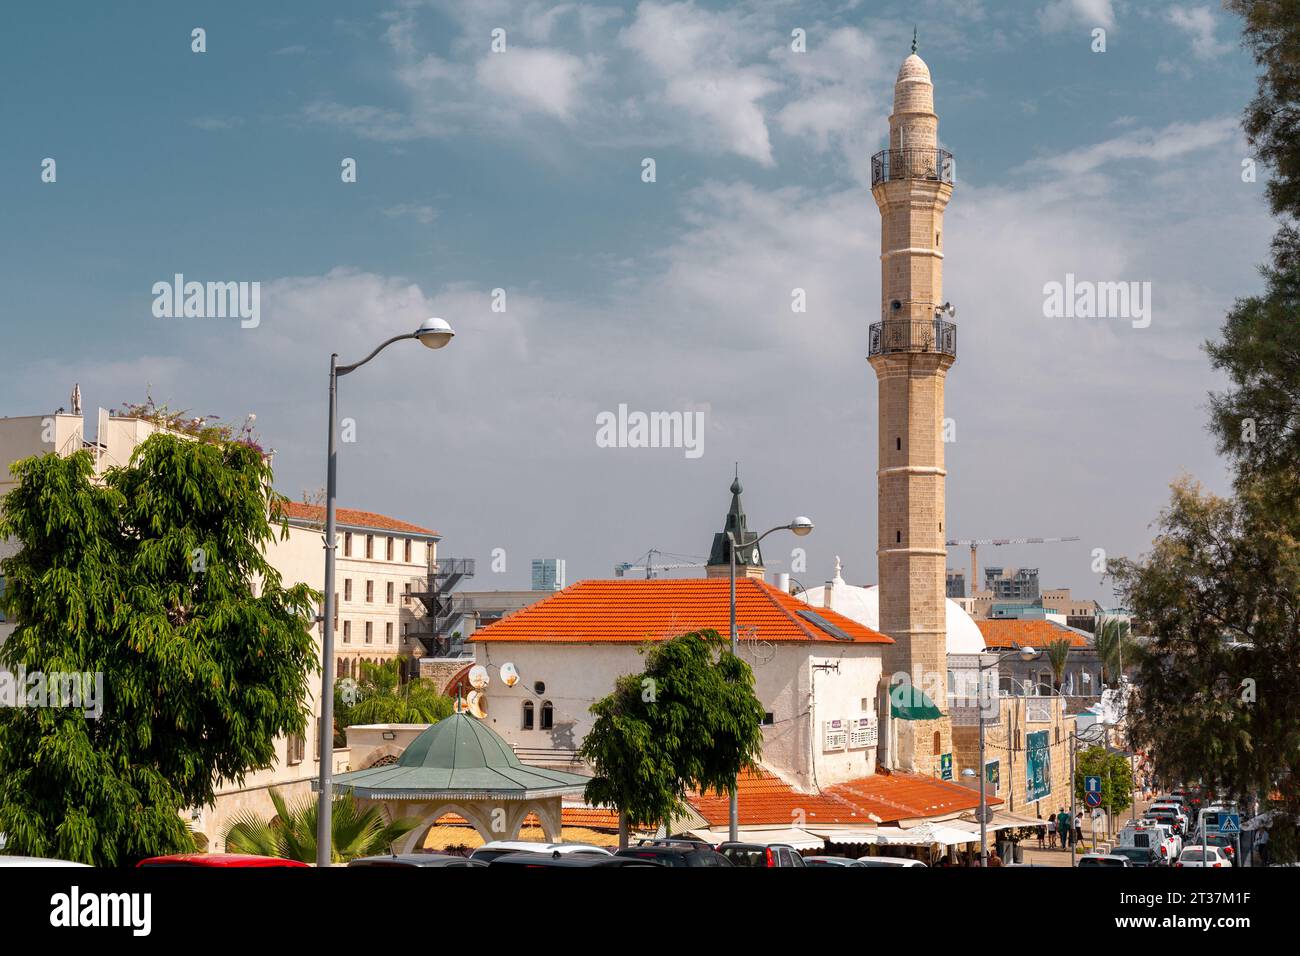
(156, 579)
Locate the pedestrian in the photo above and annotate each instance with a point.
(1063, 827)
(1042, 827)
(994, 859)
(1078, 828)
(1261, 844)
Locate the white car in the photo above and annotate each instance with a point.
(1103, 859)
(34, 861)
(1206, 857)
(1154, 834)
(1171, 813)
(490, 851)
(887, 861)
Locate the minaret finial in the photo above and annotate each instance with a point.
(914, 39)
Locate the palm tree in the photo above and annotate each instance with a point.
(381, 698)
(1058, 652)
(291, 834)
(1114, 644)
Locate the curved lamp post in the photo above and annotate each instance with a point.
(1025, 654)
(433, 333)
(800, 525)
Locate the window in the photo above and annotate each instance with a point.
(370, 546)
(388, 552)
(938, 743)
(769, 718)
(407, 551)
(388, 633)
(347, 544)
(390, 592)
(347, 589)
(296, 749)
(370, 592)
(370, 632)
(898, 443)
(347, 632)
(528, 715)
(548, 715)
(898, 537)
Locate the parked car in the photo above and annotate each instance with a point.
(675, 853)
(567, 860)
(218, 860)
(1141, 856)
(894, 861)
(763, 855)
(1149, 832)
(490, 851)
(1172, 814)
(1103, 859)
(1211, 858)
(830, 861)
(35, 861)
(417, 859)
(1225, 843)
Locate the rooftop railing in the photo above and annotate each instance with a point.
(913, 335)
(890, 165)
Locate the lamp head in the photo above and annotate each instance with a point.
(434, 333)
(1028, 654)
(801, 525)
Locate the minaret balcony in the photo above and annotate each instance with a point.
(913, 335)
(891, 165)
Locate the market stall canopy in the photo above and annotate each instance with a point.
(908, 702)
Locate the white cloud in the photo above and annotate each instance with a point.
(540, 80)
(1199, 24)
(1060, 14)
(420, 213)
(1171, 142)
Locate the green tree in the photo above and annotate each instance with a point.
(689, 721)
(1115, 650)
(1116, 778)
(155, 579)
(381, 698)
(291, 833)
(1219, 594)
(1058, 654)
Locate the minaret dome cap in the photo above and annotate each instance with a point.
(913, 70)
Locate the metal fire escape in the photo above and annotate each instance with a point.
(442, 610)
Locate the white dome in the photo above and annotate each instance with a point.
(863, 605)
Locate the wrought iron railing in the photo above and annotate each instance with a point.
(890, 165)
(913, 335)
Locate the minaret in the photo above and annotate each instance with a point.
(911, 348)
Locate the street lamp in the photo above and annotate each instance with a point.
(801, 526)
(433, 333)
(1025, 654)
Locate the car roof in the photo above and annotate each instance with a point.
(533, 846)
(217, 860)
(409, 859)
(35, 861)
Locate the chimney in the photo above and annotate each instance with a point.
(829, 591)
(783, 581)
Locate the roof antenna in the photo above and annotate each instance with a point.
(913, 38)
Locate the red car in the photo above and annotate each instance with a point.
(220, 860)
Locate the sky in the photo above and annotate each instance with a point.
(521, 169)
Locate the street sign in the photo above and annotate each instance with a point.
(1230, 823)
(1092, 791)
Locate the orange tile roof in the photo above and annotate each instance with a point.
(1036, 633)
(632, 611)
(593, 818)
(766, 800)
(350, 517)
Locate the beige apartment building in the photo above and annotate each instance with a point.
(382, 557)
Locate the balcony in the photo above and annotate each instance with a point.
(891, 165)
(913, 335)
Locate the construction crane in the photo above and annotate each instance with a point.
(997, 542)
(649, 565)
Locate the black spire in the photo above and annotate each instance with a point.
(748, 555)
(913, 39)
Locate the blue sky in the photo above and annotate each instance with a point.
(521, 170)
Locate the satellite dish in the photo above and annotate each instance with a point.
(509, 674)
(476, 704)
(478, 677)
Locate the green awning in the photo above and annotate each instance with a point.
(908, 702)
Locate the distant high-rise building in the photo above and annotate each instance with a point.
(1012, 584)
(956, 583)
(548, 574)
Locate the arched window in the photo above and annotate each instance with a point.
(528, 715)
(937, 743)
(548, 715)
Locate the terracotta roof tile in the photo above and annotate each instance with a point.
(297, 511)
(630, 611)
(767, 800)
(1036, 633)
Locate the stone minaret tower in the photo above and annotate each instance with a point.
(912, 347)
